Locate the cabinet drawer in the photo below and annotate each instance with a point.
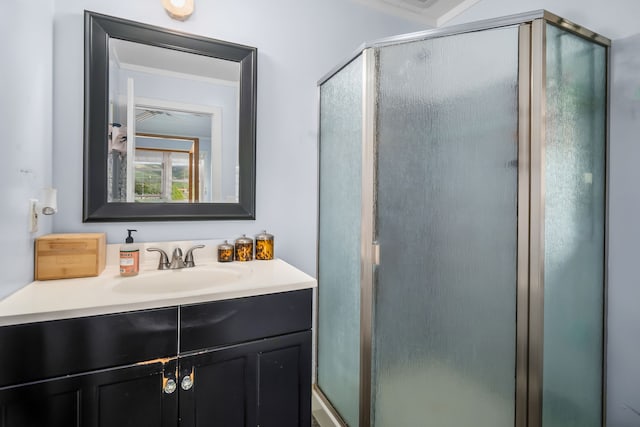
(239, 320)
(42, 350)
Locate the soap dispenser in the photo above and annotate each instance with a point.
(129, 256)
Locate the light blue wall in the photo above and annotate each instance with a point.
(25, 122)
(298, 41)
(624, 234)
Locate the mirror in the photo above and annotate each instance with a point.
(169, 124)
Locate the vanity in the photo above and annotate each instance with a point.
(169, 135)
(114, 352)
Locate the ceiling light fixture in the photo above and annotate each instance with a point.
(178, 9)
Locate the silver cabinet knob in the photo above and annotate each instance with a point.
(186, 383)
(170, 386)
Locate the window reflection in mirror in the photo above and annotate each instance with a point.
(175, 116)
(166, 169)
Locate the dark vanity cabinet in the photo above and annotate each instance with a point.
(239, 362)
(257, 366)
(86, 371)
(124, 396)
(262, 383)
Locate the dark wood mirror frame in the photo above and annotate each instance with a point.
(96, 208)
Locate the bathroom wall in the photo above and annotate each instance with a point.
(25, 123)
(298, 41)
(623, 399)
(616, 19)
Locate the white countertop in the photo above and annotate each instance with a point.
(111, 293)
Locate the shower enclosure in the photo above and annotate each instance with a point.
(461, 257)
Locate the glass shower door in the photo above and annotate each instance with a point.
(444, 338)
(339, 241)
(574, 230)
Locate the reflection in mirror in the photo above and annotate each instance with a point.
(176, 98)
(169, 124)
(167, 169)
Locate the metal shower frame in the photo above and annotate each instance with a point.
(530, 204)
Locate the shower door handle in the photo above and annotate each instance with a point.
(375, 254)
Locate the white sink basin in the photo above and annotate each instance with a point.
(184, 280)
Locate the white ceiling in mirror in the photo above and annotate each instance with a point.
(138, 56)
(434, 13)
(172, 122)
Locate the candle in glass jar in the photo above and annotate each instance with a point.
(264, 246)
(244, 248)
(225, 252)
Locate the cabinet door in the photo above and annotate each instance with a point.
(54, 403)
(284, 381)
(265, 383)
(127, 396)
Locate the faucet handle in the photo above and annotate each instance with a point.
(164, 259)
(188, 258)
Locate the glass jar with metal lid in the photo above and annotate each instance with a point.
(244, 248)
(264, 246)
(225, 252)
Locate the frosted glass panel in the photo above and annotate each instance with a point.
(339, 243)
(574, 231)
(445, 305)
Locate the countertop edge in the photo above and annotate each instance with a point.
(21, 309)
(22, 319)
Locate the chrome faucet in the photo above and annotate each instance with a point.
(176, 258)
